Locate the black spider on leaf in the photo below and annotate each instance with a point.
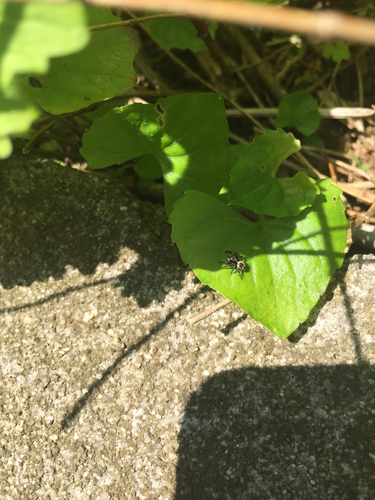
(235, 262)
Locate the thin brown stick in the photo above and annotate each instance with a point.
(206, 313)
(131, 22)
(353, 213)
(323, 25)
(360, 82)
(204, 34)
(29, 146)
(332, 172)
(315, 174)
(356, 170)
(261, 61)
(327, 92)
(365, 196)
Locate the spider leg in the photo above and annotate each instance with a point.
(226, 267)
(232, 253)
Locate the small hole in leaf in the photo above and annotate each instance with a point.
(334, 198)
(34, 82)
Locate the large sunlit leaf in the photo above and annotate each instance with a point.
(290, 261)
(102, 70)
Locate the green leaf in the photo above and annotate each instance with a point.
(299, 110)
(290, 261)
(363, 166)
(338, 52)
(31, 33)
(102, 70)
(234, 151)
(253, 183)
(194, 145)
(177, 34)
(121, 135)
(148, 167)
(189, 141)
(313, 140)
(328, 50)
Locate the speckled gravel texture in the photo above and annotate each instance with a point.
(107, 392)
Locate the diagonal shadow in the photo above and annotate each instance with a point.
(360, 359)
(53, 217)
(80, 404)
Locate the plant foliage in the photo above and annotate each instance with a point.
(31, 34)
(295, 235)
(290, 258)
(299, 110)
(177, 34)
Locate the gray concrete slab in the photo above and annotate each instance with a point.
(108, 393)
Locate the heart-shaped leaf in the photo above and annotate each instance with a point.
(290, 261)
(299, 110)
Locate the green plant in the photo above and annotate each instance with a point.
(362, 166)
(299, 110)
(294, 238)
(338, 52)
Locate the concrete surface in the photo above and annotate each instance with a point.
(107, 392)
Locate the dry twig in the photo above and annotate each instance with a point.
(322, 25)
(209, 311)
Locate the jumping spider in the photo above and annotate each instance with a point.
(235, 262)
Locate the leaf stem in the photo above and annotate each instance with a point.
(130, 22)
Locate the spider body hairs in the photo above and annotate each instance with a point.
(235, 262)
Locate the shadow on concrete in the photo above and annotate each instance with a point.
(94, 388)
(272, 433)
(53, 217)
